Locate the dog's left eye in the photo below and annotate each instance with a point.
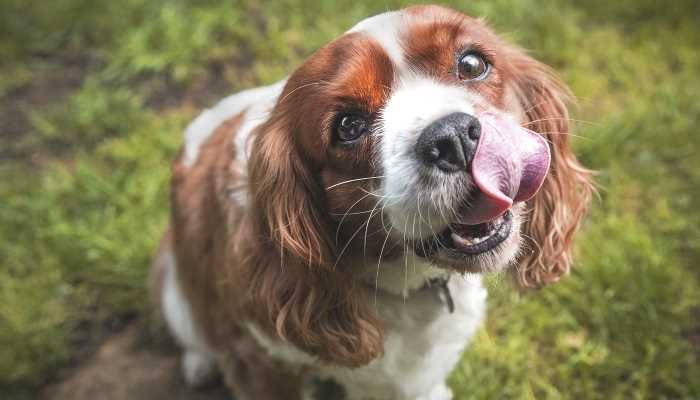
(472, 66)
(351, 127)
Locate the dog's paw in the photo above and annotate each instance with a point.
(199, 369)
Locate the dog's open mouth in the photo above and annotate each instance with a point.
(468, 240)
(509, 166)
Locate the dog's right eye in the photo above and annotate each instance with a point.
(351, 127)
(472, 66)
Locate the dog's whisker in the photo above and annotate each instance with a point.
(564, 134)
(353, 180)
(347, 244)
(364, 244)
(337, 231)
(381, 196)
(352, 213)
(405, 257)
(379, 261)
(317, 83)
(535, 121)
(420, 215)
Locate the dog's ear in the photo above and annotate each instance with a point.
(294, 282)
(555, 213)
(286, 196)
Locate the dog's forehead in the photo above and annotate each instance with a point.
(421, 38)
(386, 29)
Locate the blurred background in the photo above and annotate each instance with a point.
(93, 99)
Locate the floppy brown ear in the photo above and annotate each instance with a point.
(301, 295)
(286, 197)
(555, 213)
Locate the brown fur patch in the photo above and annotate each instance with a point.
(438, 36)
(204, 220)
(200, 210)
(275, 265)
(558, 208)
(297, 286)
(156, 277)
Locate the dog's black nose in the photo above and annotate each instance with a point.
(449, 143)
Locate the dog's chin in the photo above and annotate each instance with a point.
(482, 248)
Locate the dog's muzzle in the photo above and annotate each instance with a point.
(507, 164)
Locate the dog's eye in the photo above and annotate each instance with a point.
(351, 127)
(472, 66)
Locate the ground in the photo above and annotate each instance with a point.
(93, 100)
(121, 369)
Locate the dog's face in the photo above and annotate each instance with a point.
(419, 133)
(422, 132)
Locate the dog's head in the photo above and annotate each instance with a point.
(422, 132)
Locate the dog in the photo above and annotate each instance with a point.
(329, 232)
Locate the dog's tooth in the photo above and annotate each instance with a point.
(462, 240)
(480, 239)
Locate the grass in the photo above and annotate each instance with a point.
(85, 166)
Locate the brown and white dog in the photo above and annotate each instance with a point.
(334, 226)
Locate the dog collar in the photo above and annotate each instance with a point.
(441, 292)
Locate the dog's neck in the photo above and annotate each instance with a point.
(402, 276)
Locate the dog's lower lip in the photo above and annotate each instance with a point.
(470, 240)
(489, 236)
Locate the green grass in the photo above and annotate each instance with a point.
(83, 188)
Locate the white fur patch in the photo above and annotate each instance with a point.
(280, 350)
(198, 368)
(198, 362)
(177, 312)
(385, 29)
(402, 275)
(256, 114)
(259, 99)
(414, 104)
(423, 344)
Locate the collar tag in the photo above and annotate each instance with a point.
(443, 295)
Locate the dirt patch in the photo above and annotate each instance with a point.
(122, 369)
(693, 334)
(208, 86)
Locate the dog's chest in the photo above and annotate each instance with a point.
(423, 344)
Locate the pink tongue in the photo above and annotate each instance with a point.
(509, 166)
